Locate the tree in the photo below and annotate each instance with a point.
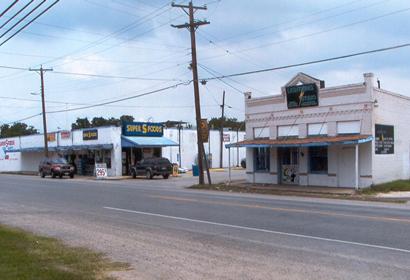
(126, 118)
(17, 129)
(100, 121)
(231, 123)
(81, 123)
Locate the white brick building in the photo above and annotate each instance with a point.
(353, 136)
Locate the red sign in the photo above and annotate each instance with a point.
(65, 134)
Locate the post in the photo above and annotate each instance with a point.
(229, 165)
(192, 26)
(356, 166)
(43, 106)
(221, 132)
(179, 144)
(237, 147)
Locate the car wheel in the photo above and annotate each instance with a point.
(42, 174)
(60, 176)
(72, 175)
(148, 175)
(53, 174)
(166, 176)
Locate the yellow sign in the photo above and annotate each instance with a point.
(51, 137)
(204, 130)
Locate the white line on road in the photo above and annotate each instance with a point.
(261, 230)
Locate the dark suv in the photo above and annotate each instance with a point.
(151, 167)
(55, 167)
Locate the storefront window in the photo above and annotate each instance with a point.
(262, 159)
(318, 159)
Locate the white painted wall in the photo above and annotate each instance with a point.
(392, 109)
(189, 147)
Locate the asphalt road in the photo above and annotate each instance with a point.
(167, 232)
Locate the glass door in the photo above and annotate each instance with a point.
(289, 165)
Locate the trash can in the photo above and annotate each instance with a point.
(195, 170)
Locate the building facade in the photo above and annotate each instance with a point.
(117, 147)
(351, 136)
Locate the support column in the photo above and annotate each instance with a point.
(356, 166)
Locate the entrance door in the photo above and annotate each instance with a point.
(289, 165)
(346, 174)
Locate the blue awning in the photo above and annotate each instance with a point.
(303, 142)
(146, 142)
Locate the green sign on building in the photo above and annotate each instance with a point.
(302, 96)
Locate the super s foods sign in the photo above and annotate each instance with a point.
(143, 129)
(7, 145)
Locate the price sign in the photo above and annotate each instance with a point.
(101, 170)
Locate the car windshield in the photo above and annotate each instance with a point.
(59, 161)
(164, 161)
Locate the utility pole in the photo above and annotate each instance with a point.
(221, 132)
(190, 9)
(43, 106)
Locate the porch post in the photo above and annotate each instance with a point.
(229, 164)
(356, 166)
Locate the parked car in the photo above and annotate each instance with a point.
(150, 167)
(243, 163)
(55, 167)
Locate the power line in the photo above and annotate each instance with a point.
(308, 63)
(23, 18)
(27, 24)
(112, 76)
(16, 14)
(8, 8)
(105, 103)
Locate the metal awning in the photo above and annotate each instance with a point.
(303, 142)
(146, 142)
(64, 148)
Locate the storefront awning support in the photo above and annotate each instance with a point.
(356, 166)
(229, 165)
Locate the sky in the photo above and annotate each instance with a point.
(134, 39)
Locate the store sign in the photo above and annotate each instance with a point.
(91, 134)
(227, 137)
(384, 141)
(101, 170)
(5, 147)
(51, 137)
(302, 96)
(65, 134)
(143, 129)
(204, 130)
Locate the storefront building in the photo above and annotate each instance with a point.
(350, 136)
(117, 147)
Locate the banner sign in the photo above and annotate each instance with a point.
(302, 96)
(91, 134)
(204, 130)
(65, 134)
(6, 146)
(143, 129)
(384, 139)
(101, 170)
(51, 137)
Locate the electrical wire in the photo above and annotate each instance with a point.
(31, 21)
(309, 62)
(8, 8)
(16, 14)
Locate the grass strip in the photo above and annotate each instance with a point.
(395, 186)
(25, 255)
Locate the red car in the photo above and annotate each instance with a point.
(55, 167)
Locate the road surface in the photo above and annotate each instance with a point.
(168, 232)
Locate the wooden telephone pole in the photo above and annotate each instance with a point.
(43, 106)
(190, 10)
